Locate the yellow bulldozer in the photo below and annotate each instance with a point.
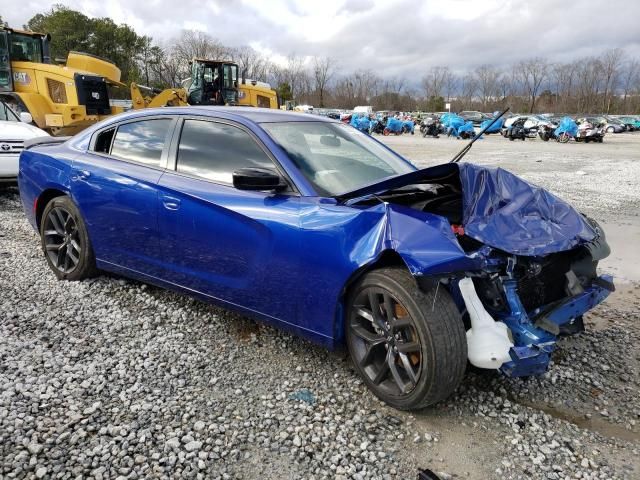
(64, 99)
(216, 82)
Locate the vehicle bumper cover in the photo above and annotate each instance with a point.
(534, 342)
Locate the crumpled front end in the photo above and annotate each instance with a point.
(530, 256)
(540, 299)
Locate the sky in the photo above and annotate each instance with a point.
(391, 37)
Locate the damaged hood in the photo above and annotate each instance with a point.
(501, 210)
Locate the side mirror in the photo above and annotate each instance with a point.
(26, 117)
(257, 179)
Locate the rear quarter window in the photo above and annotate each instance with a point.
(141, 141)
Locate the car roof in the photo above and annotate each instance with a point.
(243, 115)
(254, 114)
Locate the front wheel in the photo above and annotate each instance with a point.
(563, 138)
(409, 346)
(386, 132)
(65, 240)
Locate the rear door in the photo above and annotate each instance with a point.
(115, 184)
(238, 246)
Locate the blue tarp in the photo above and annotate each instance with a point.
(495, 128)
(394, 125)
(360, 121)
(504, 211)
(466, 127)
(455, 124)
(451, 119)
(567, 125)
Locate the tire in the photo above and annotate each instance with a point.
(386, 132)
(62, 226)
(563, 138)
(611, 130)
(425, 335)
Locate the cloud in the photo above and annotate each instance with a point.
(390, 37)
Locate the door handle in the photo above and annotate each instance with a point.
(81, 175)
(171, 203)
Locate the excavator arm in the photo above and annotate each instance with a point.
(170, 97)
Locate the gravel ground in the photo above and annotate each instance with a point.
(111, 378)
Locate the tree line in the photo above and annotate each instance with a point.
(605, 83)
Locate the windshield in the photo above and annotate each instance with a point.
(26, 48)
(334, 157)
(6, 114)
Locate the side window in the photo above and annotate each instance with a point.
(215, 150)
(141, 141)
(103, 141)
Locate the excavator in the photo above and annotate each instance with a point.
(215, 82)
(63, 99)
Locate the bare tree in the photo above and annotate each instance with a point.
(434, 81)
(323, 70)
(468, 88)
(563, 81)
(611, 61)
(532, 73)
(588, 77)
(294, 72)
(630, 80)
(195, 44)
(487, 83)
(449, 83)
(251, 64)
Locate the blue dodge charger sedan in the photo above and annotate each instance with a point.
(313, 226)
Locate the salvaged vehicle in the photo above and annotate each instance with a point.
(310, 225)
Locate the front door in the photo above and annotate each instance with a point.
(237, 246)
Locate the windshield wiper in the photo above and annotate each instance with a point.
(467, 147)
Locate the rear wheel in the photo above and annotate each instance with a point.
(409, 346)
(563, 138)
(65, 241)
(386, 132)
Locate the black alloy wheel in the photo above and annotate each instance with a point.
(388, 349)
(408, 345)
(65, 241)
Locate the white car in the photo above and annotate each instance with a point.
(531, 121)
(14, 130)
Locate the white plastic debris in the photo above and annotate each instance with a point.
(488, 341)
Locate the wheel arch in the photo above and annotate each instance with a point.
(44, 198)
(386, 258)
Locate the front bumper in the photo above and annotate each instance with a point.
(535, 335)
(8, 168)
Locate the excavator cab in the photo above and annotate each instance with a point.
(213, 82)
(19, 46)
